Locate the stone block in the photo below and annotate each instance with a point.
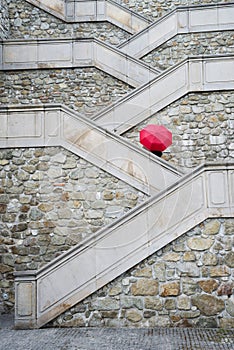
(199, 243)
(160, 271)
(212, 227)
(107, 304)
(183, 302)
(229, 259)
(219, 271)
(171, 257)
(153, 303)
(145, 287)
(133, 316)
(144, 272)
(209, 259)
(170, 289)
(128, 302)
(208, 285)
(208, 304)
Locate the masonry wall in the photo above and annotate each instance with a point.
(187, 45)
(51, 200)
(187, 283)
(86, 90)
(202, 127)
(27, 21)
(154, 9)
(4, 20)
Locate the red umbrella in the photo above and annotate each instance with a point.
(155, 137)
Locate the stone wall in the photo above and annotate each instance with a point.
(51, 200)
(202, 127)
(154, 9)
(4, 20)
(27, 21)
(87, 90)
(187, 283)
(183, 46)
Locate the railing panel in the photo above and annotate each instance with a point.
(181, 20)
(51, 126)
(115, 249)
(68, 53)
(191, 75)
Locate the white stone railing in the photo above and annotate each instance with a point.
(55, 125)
(195, 74)
(43, 295)
(183, 20)
(93, 10)
(67, 53)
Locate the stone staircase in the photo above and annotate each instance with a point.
(208, 191)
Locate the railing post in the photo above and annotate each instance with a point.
(25, 300)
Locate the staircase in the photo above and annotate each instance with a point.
(44, 294)
(207, 191)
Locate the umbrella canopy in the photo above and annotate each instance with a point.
(155, 137)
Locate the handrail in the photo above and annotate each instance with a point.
(182, 20)
(194, 74)
(57, 125)
(207, 192)
(67, 53)
(93, 10)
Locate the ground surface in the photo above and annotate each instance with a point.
(113, 338)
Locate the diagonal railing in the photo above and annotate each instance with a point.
(55, 125)
(194, 74)
(44, 294)
(74, 53)
(93, 10)
(182, 20)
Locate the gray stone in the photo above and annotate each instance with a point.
(153, 303)
(35, 214)
(230, 306)
(229, 259)
(128, 302)
(145, 287)
(133, 316)
(208, 304)
(198, 243)
(160, 271)
(105, 304)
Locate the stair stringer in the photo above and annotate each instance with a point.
(43, 295)
(182, 20)
(56, 125)
(194, 74)
(93, 10)
(74, 53)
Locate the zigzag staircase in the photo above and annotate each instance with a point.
(208, 191)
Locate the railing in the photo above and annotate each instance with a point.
(68, 53)
(195, 74)
(43, 295)
(55, 125)
(182, 20)
(93, 10)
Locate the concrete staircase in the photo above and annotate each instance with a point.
(207, 191)
(93, 10)
(44, 294)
